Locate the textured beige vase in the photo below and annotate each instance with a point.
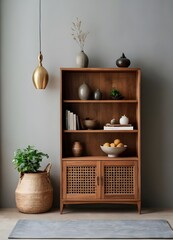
(34, 193)
(77, 149)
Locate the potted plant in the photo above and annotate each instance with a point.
(34, 193)
(115, 94)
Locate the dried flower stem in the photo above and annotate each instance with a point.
(78, 35)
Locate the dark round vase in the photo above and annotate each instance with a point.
(97, 94)
(123, 61)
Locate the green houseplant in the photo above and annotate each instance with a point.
(34, 192)
(28, 160)
(115, 94)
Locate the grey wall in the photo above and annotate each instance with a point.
(143, 29)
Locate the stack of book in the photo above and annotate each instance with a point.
(72, 121)
(109, 126)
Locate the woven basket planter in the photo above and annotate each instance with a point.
(34, 193)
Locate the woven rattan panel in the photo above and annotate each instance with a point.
(81, 179)
(119, 179)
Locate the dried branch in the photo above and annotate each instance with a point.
(78, 35)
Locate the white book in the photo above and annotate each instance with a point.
(66, 119)
(74, 121)
(71, 121)
(118, 128)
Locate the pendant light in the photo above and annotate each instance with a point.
(40, 75)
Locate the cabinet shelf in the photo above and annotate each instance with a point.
(100, 70)
(100, 101)
(101, 158)
(100, 131)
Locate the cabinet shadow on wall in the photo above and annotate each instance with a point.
(152, 139)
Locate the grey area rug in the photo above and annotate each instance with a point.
(100, 229)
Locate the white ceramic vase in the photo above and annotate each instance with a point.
(124, 120)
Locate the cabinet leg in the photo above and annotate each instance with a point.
(139, 207)
(61, 207)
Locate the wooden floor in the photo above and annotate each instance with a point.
(9, 217)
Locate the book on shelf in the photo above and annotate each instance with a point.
(72, 121)
(66, 118)
(118, 127)
(78, 127)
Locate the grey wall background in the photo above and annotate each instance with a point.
(143, 29)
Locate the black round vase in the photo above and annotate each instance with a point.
(123, 61)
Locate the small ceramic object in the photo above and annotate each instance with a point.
(113, 121)
(77, 149)
(123, 61)
(90, 123)
(97, 94)
(82, 60)
(84, 91)
(124, 120)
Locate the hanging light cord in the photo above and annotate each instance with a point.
(40, 75)
(40, 24)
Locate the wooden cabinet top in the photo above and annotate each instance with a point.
(101, 69)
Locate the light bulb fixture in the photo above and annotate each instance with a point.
(40, 75)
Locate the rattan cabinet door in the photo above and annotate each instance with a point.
(80, 180)
(119, 180)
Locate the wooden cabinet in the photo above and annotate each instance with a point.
(94, 177)
(100, 179)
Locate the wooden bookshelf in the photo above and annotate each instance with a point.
(95, 177)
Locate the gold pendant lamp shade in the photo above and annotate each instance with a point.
(40, 75)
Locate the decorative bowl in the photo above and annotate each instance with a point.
(113, 151)
(90, 123)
